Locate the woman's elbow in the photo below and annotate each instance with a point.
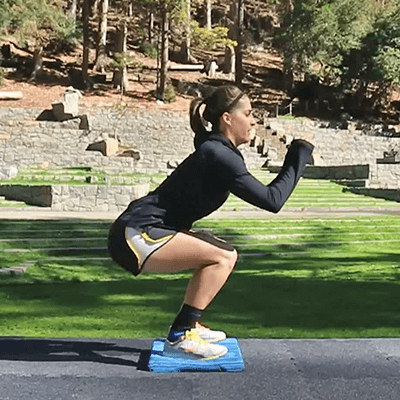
(276, 210)
(275, 207)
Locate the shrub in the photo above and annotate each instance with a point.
(150, 50)
(169, 96)
(2, 75)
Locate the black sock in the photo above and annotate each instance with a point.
(186, 319)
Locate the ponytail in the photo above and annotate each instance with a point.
(223, 99)
(196, 122)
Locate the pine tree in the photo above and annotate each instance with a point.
(36, 23)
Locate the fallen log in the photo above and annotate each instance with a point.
(10, 95)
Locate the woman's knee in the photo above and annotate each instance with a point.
(228, 259)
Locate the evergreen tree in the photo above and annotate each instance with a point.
(36, 23)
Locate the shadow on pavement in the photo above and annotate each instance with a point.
(26, 349)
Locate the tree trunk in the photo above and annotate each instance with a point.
(94, 4)
(208, 13)
(187, 29)
(185, 47)
(102, 38)
(37, 63)
(72, 7)
(151, 27)
(86, 39)
(129, 9)
(164, 52)
(120, 77)
(239, 47)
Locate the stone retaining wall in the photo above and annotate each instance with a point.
(337, 147)
(163, 139)
(76, 198)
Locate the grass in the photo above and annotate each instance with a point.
(312, 193)
(296, 278)
(80, 176)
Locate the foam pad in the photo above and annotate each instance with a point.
(161, 361)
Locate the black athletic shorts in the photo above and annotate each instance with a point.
(130, 248)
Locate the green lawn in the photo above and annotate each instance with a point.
(80, 176)
(315, 193)
(296, 278)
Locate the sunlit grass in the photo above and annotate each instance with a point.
(296, 278)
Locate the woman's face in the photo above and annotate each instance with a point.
(239, 125)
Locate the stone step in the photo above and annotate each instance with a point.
(12, 203)
(353, 183)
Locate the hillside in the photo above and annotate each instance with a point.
(263, 71)
(261, 67)
(52, 84)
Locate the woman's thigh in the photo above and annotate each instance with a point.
(187, 251)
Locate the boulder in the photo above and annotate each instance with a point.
(107, 147)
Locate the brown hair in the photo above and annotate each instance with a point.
(223, 99)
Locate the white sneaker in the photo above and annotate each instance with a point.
(207, 334)
(190, 345)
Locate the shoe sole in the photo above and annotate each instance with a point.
(178, 353)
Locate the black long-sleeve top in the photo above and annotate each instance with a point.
(204, 180)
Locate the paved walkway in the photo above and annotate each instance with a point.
(95, 369)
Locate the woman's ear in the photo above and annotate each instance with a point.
(226, 118)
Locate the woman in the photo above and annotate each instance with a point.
(154, 234)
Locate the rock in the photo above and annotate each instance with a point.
(69, 107)
(130, 153)
(73, 123)
(107, 147)
(211, 69)
(172, 164)
(84, 124)
(9, 172)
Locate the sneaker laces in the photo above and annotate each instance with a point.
(193, 335)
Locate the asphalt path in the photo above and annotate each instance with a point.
(58, 369)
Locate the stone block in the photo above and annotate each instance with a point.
(122, 199)
(69, 106)
(101, 207)
(139, 191)
(130, 153)
(71, 123)
(8, 172)
(114, 208)
(90, 190)
(107, 147)
(87, 201)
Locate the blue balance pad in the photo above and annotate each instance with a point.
(164, 361)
